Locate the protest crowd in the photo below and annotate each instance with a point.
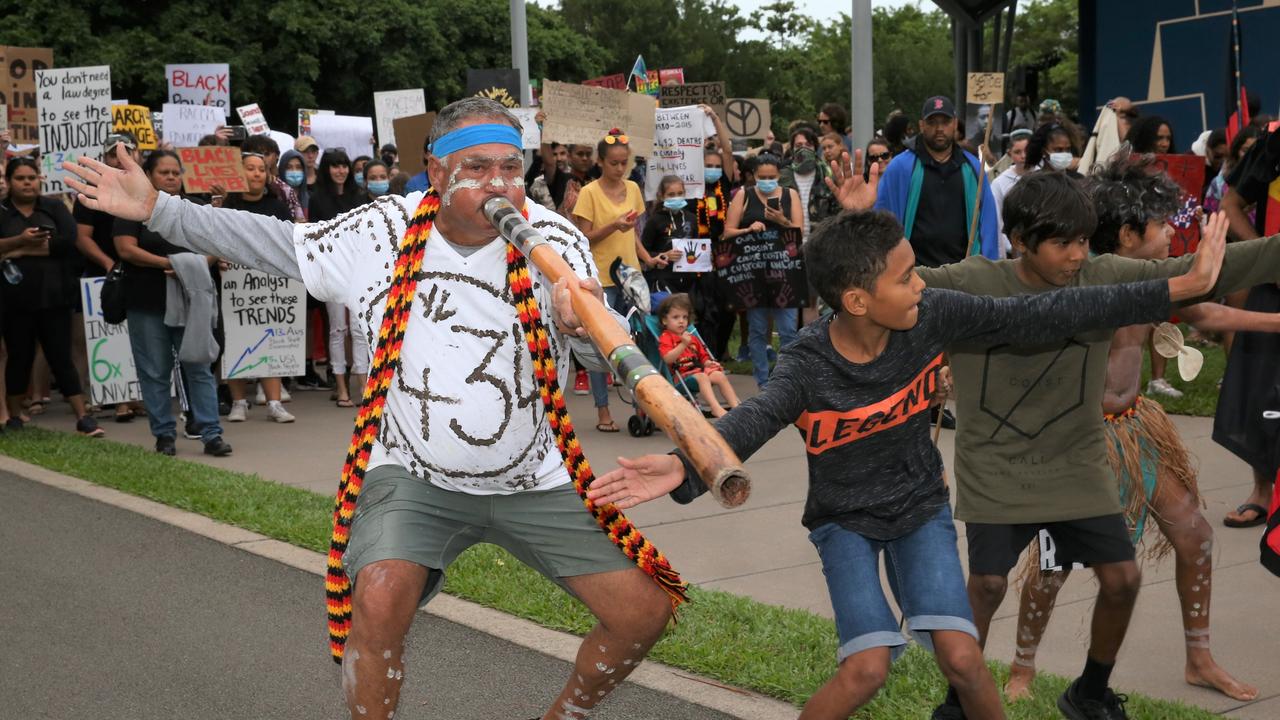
(746, 250)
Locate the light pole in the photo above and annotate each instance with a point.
(520, 49)
(862, 114)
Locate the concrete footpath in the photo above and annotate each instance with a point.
(762, 551)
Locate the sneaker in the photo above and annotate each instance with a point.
(88, 427)
(1074, 707)
(239, 411)
(261, 397)
(1160, 386)
(581, 385)
(217, 447)
(276, 412)
(310, 381)
(744, 353)
(189, 429)
(14, 423)
(165, 446)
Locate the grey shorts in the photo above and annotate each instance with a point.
(402, 517)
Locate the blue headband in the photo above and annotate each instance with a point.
(473, 135)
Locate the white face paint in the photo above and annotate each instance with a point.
(481, 165)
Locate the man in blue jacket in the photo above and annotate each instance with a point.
(932, 191)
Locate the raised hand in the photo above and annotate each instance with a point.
(125, 193)
(847, 184)
(636, 481)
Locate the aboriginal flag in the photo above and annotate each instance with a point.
(1237, 106)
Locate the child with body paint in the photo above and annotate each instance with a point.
(858, 385)
(684, 352)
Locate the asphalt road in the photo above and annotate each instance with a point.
(109, 615)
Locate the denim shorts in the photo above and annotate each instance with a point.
(924, 575)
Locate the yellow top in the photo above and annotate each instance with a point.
(595, 207)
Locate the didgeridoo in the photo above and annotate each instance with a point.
(717, 465)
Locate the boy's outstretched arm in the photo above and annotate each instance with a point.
(1212, 317)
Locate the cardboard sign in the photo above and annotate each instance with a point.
(304, 119)
(136, 120)
(200, 84)
(75, 118)
(1188, 172)
(696, 257)
(4, 119)
(747, 118)
(764, 269)
(412, 133)
(502, 85)
(113, 378)
(531, 134)
(18, 90)
(351, 133)
(204, 167)
(986, 88)
(184, 125)
(264, 320)
(616, 81)
(582, 115)
(677, 150)
(393, 104)
(709, 93)
(255, 123)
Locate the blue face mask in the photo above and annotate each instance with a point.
(766, 186)
(675, 204)
(379, 187)
(712, 174)
(360, 179)
(295, 178)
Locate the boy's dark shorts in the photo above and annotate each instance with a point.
(994, 549)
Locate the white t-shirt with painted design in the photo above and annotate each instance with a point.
(463, 411)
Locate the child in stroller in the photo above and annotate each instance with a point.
(686, 355)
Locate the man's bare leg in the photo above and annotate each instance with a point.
(986, 592)
(1039, 594)
(960, 659)
(856, 681)
(1178, 514)
(386, 598)
(632, 612)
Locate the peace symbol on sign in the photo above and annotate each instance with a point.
(742, 117)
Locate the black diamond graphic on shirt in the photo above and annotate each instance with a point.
(1028, 415)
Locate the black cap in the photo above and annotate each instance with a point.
(938, 105)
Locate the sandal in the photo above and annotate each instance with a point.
(35, 407)
(609, 427)
(1260, 516)
(344, 403)
(126, 416)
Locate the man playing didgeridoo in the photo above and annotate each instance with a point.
(462, 430)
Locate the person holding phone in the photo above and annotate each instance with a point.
(37, 241)
(606, 212)
(766, 206)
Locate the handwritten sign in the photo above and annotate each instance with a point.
(351, 133)
(708, 93)
(677, 150)
(204, 167)
(135, 120)
(200, 84)
(255, 123)
(184, 125)
(530, 133)
(263, 316)
(986, 88)
(113, 378)
(582, 115)
(392, 104)
(75, 118)
(747, 118)
(616, 81)
(304, 119)
(412, 133)
(764, 269)
(696, 257)
(18, 90)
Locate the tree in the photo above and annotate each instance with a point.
(1046, 35)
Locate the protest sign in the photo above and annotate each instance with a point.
(501, 85)
(255, 123)
(677, 150)
(764, 269)
(4, 119)
(113, 378)
(411, 136)
(531, 134)
(184, 125)
(119, 101)
(696, 257)
(135, 120)
(157, 122)
(204, 167)
(671, 76)
(708, 93)
(264, 319)
(582, 115)
(986, 88)
(1188, 172)
(616, 81)
(350, 133)
(747, 118)
(75, 118)
(304, 119)
(200, 84)
(392, 104)
(18, 91)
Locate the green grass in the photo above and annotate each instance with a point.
(783, 653)
(1200, 396)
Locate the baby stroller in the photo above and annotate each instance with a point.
(646, 329)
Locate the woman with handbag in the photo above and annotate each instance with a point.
(37, 240)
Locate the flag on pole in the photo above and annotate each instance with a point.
(1237, 109)
(638, 71)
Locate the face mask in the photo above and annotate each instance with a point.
(379, 187)
(712, 174)
(675, 204)
(766, 186)
(1060, 161)
(360, 179)
(295, 178)
(805, 161)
